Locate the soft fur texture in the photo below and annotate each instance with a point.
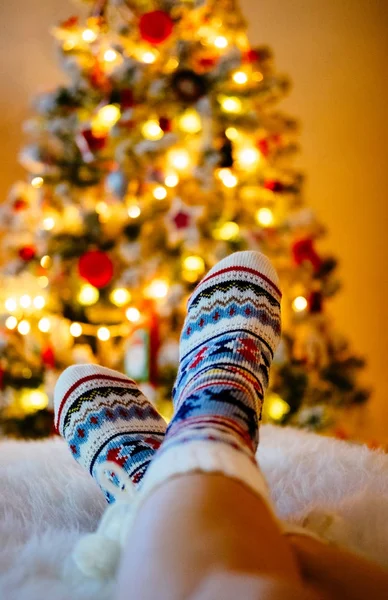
(47, 501)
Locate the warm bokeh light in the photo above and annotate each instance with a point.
(43, 281)
(45, 261)
(228, 178)
(120, 296)
(179, 158)
(106, 118)
(11, 304)
(299, 304)
(39, 302)
(158, 288)
(228, 231)
(32, 400)
(88, 35)
(240, 77)
(103, 334)
(148, 57)
(190, 122)
(11, 323)
(152, 130)
(248, 157)
(133, 314)
(44, 325)
(264, 217)
(231, 104)
(159, 193)
(48, 223)
(194, 263)
(37, 182)
(231, 133)
(25, 301)
(221, 42)
(75, 329)
(134, 211)
(171, 180)
(88, 295)
(110, 55)
(24, 327)
(277, 407)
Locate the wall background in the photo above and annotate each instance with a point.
(336, 54)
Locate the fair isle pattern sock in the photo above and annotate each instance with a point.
(227, 344)
(104, 416)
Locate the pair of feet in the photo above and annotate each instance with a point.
(227, 344)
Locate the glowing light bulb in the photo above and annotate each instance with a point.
(299, 304)
(120, 296)
(157, 289)
(43, 281)
(159, 193)
(228, 231)
(248, 157)
(32, 400)
(69, 44)
(44, 325)
(25, 301)
(228, 179)
(102, 208)
(106, 118)
(11, 323)
(10, 304)
(148, 57)
(220, 42)
(48, 223)
(75, 329)
(110, 55)
(103, 334)
(134, 211)
(37, 182)
(88, 295)
(24, 327)
(45, 261)
(39, 302)
(152, 130)
(194, 263)
(264, 217)
(190, 122)
(277, 407)
(88, 35)
(240, 77)
(180, 159)
(171, 180)
(133, 314)
(231, 104)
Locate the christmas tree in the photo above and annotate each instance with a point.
(163, 153)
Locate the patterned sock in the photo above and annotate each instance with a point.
(104, 416)
(227, 344)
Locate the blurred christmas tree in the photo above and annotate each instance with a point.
(163, 154)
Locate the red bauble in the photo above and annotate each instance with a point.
(263, 146)
(96, 267)
(19, 204)
(2, 374)
(48, 357)
(304, 251)
(156, 26)
(27, 253)
(94, 142)
(165, 124)
(251, 56)
(273, 185)
(126, 99)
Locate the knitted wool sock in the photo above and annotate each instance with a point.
(105, 418)
(227, 344)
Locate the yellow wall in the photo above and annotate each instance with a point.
(336, 52)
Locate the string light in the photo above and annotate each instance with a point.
(44, 325)
(248, 157)
(11, 323)
(299, 304)
(25, 301)
(194, 263)
(10, 304)
(120, 296)
(37, 182)
(151, 130)
(190, 122)
(228, 231)
(148, 57)
(24, 327)
(157, 289)
(264, 217)
(240, 77)
(180, 159)
(228, 179)
(277, 407)
(105, 118)
(110, 55)
(33, 400)
(43, 281)
(133, 314)
(231, 104)
(171, 180)
(39, 302)
(45, 261)
(159, 193)
(75, 329)
(48, 223)
(88, 35)
(88, 295)
(231, 133)
(134, 211)
(103, 334)
(220, 42)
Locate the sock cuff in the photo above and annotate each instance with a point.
(201, 456)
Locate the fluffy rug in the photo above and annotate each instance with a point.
(47, 502)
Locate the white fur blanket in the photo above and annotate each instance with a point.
(47, 502)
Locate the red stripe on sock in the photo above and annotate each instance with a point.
(83, 380)
(246, 270)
